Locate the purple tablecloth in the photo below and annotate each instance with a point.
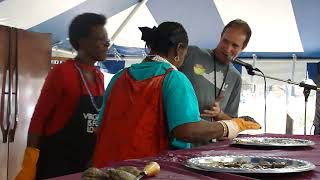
(171, 162)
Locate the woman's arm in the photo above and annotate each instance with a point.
(202, 131)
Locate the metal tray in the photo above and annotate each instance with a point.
(248, 164)
(272, 141)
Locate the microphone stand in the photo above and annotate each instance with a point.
(306, 90)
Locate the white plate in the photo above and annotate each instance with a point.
(272, 141)
(248, 164)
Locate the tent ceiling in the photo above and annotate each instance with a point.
(280, 28)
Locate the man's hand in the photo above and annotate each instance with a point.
(216, 111)
(213, 112)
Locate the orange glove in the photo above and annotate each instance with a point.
(236, 125)
(29, 164)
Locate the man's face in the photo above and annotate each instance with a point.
(231, 44)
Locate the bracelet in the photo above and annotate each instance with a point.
(225, 128)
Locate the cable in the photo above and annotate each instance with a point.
(215, 77)
(265, 100)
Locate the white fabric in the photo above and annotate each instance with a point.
(161, 59)
(233, 128)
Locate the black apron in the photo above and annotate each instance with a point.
(70, 149)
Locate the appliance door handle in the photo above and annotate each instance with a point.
(13, 87)
(4, 134)
(15, 94)
(4, 129)
(5, 102)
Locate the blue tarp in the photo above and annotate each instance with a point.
(313, 70)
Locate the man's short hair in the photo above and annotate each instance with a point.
(240, 24)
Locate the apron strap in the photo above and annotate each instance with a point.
(168, 71)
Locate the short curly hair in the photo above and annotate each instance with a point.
(81, 25)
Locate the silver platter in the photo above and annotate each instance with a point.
(272, 141)
(248, 164)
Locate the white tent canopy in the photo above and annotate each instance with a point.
(280, 28)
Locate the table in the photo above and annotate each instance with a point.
(171, 162)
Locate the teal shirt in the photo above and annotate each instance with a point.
(179, 99)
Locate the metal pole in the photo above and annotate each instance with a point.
(125, 22)
(254, 59)
(294, 61)
(305, 117)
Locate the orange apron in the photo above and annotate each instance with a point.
(134, 122)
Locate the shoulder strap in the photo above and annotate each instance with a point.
(168, 71)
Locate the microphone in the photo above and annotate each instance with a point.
(309, 86)
(244, 64)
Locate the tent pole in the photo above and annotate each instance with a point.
(254, 60)
(125, 22)
(294, 60)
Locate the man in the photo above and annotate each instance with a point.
(216, 81)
